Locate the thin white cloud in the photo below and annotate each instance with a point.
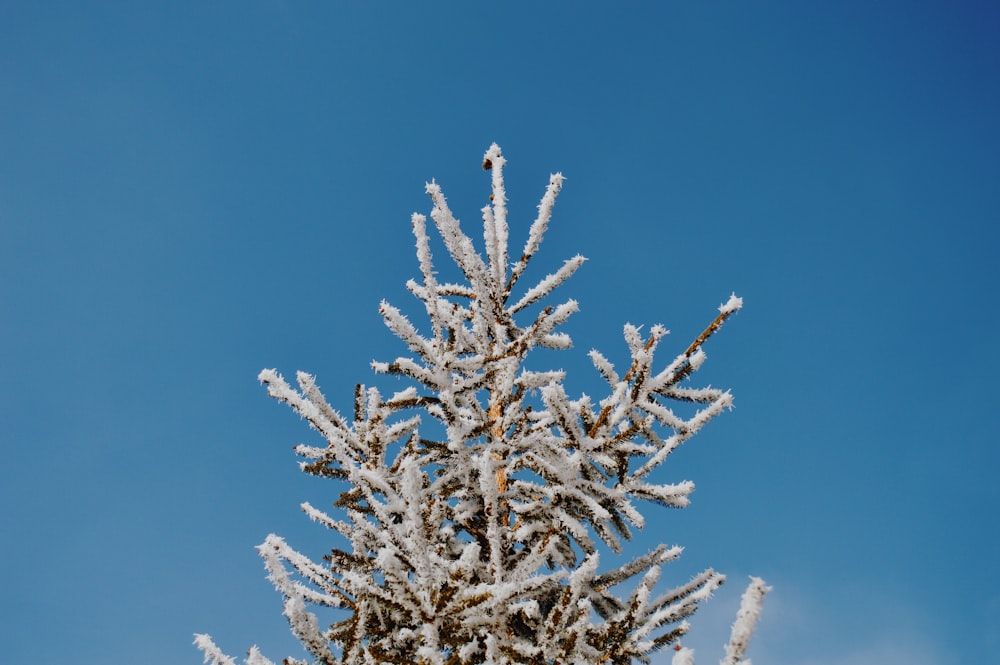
(801, 629)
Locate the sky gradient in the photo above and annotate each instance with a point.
(192, 192)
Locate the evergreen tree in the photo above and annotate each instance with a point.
(476, 497)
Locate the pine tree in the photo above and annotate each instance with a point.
(476, 497)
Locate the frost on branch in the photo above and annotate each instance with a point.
(746, 619)
(479, 497)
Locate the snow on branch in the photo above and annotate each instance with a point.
(538, 228)
(254, 657)
(547, 285)
(746, 620)
(458, 244)
(495, 217)
(213, 654)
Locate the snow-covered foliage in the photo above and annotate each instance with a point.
(478, 497)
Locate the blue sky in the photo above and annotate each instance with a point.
(191, 192)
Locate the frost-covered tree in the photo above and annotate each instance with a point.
(474, 501)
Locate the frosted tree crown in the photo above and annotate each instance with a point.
(480, 545)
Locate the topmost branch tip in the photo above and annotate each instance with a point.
(492, 155)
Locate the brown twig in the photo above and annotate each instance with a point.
(709, 331)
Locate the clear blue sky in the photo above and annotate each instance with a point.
(193, 191)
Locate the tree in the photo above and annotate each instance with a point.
(475, 498)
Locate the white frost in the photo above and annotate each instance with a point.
(734, 303)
